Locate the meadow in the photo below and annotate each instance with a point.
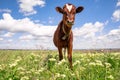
(44, 65)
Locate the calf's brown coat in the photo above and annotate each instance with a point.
(63, 36)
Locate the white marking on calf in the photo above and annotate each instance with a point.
(69, 7)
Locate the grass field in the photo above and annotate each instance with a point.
(44, 65)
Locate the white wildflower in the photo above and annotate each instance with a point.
(22, 72)
(99, 63)
(36, 72)
(10, 78)
(28, 72)
(67, 69)
(61, 62)
(81, 55)
(76, 62)
(72, 74)
(41, 70)
(110, 77)
(60, 75)
(107, 65)
(63, 75)
(32, 70)
(88, 60)
(36, 60)
(92, 64)
(35, 55)
(13, 64)
(18, 59)
(25, 78)
(116, 54)
(20, 69)
(57, 74)
(1, 67)
(91, 55)
(52, 59)
(82, 68)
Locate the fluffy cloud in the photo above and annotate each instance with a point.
(114, 35)
(9, 41)
(27, 6)
(38, 34)
(116, 15)
(44, 31)
(118, 3)
(86, 35)
(10, 24)
(114, 32)
(1, 39)
(8, 34)
(25, 25)
(32, 33)
(110, 40)
(89, 29)
(26, 37)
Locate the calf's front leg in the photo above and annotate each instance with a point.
(60, 54)
(70, 55)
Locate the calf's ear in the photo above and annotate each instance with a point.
(79, 9)
(60, 10)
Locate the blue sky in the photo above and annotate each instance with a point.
(30, 24)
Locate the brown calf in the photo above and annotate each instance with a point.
(63, 36)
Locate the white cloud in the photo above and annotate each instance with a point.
(85, 37)
(10, 24)
(9, 41)
(118, 3)
(26, 37)
(114, 32)
(38, 34)
(44, 31)
(27, 6)
(1, 39)
(89, 29)
(5, 10)
(25, 25)
(116, 15)
(31, 32)
(114, 35)
(110, 40)
(8, 34)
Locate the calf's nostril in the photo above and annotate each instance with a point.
(70, 21)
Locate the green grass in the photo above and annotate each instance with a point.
(45, 65)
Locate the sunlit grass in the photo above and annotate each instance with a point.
(45, 65)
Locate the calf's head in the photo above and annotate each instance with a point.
(69, 12)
